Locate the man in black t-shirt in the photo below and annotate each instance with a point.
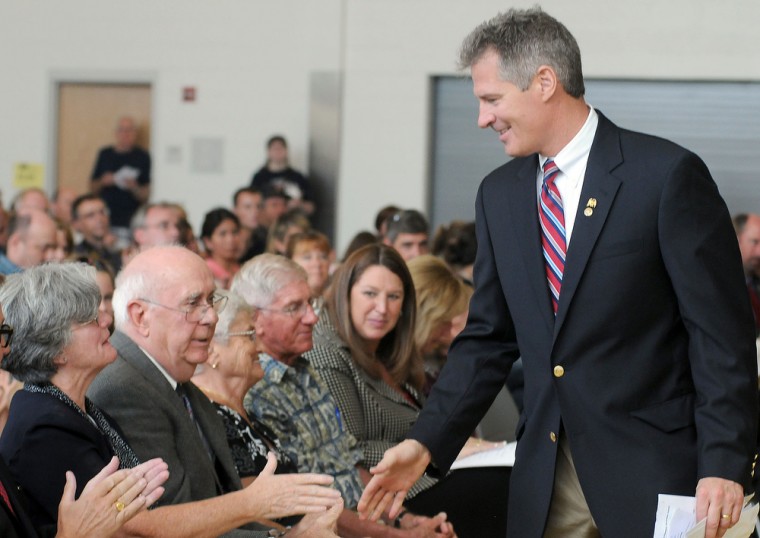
(121, 176)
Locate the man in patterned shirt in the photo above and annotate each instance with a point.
(292, 400)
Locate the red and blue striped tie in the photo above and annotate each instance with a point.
(552, 218)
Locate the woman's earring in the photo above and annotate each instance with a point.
(214, 365)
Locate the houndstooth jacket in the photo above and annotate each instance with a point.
(376, 414)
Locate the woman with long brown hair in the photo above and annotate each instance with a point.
(364, 351)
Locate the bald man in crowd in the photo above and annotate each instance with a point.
(31, 241)
(165, 308)
(31, 198)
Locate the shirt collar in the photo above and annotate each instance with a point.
(274, 370)
(575, 153)
(161, 369)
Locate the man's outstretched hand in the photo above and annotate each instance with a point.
(399, 469)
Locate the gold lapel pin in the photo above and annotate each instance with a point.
(590, 205)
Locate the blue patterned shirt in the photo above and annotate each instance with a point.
(294, 403)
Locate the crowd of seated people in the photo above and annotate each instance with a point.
(83, 377)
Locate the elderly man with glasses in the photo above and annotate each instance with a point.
(292, 400)
(166, 307)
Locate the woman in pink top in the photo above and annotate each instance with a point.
(221, 238)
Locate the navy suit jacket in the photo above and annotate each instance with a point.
(16, 524)
(42, 440)
(654, 334)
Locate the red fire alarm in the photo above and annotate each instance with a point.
(188, 94)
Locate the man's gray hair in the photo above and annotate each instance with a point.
(408, 221)
(42, 304)
(130, 286)
(234, 307)
(262, 277)
(138, 220)
(525, 40)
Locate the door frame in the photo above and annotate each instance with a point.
(58, 77)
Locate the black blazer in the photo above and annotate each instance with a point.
(42, 440)
(17, 524)
(654, 337)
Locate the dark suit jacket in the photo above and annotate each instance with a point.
(17, 524)
(42, 440)
(157, 424)
(654, 334)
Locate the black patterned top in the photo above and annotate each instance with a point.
(250, 445)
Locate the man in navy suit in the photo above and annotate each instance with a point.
(637, 339)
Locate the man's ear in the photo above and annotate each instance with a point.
(13, 241)
(256, 322)
(139, 235)
(547, 81)
(139, 316)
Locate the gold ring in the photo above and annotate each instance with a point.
(119, 506)
(725, 516)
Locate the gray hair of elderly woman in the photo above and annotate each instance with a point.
(262, 277)
(235, 306)
(42, 304)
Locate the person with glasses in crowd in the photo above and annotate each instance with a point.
(166, 308)
(292, 400)
(61, 344)
(91, 217)
(231, 369)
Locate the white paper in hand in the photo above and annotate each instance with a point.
(676, 518)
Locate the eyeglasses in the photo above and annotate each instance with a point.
(6, 335)
(250, 334)
(297, 310)
(95, 213)
(86, 323)
(195, 311)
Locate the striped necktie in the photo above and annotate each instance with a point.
(552, 218)
(182, 392)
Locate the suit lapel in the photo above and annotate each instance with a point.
(523, 200)
(135, 356)
(599, 183)
(211, 425)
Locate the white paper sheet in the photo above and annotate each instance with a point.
(676, 518)
(502, 456)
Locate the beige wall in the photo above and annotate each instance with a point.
(251, 60)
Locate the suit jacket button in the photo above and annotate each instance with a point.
(559, 371)
(553, 437)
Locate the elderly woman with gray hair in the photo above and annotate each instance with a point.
(231, 370)
(60, 345)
